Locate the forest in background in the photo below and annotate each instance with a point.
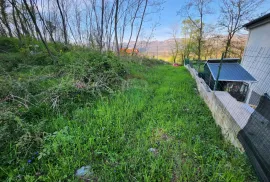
(214, 47)
(119, 24)
(100, 25)
(203, 40)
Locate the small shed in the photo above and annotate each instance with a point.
(233, 77)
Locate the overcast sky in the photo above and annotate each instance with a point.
(168, 17)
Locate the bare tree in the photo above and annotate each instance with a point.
(15, 22)
(140, 27)
(133, 20)
(234, 13)
(175, 48)
(98, 24)
(22, 20)
(89, 23)
(238, 44)
(78, 20)
(44, 23)
(2, 30)
(27, 19)
(102, 24)
(63, 22)
(4, 16)
(190, 33)
(115, 26)
(36, 26)
(109, 26)
(125, 12)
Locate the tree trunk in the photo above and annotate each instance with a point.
(228, 44)
(110, 28)
(25, 20)
(4, 17)
(36, 26)
(200, 36)
(15, 22)
(24, 29)
(44, 23)
(123, 32)
(132, 23)
(115, 27)
(2, 30)
(63, 22)
(146, 2)
(102, 22)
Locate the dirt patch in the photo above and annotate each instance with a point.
(134, 76)
(160, 135)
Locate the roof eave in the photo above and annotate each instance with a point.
(257, 22)
(211, 71)
(223, 80)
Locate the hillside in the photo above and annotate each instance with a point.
(213, 47)
(91, 116)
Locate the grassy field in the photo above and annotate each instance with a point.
(156, 128)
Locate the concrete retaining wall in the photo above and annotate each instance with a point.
(219, 103)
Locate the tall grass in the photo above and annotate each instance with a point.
(128, 118)
(156, 129)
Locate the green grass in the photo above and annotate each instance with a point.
(198, 66)
(157, 108)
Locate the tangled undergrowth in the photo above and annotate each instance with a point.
(34, 90)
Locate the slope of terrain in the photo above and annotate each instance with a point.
(112, 121)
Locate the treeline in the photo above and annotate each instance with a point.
(98, 24)
(203, 39)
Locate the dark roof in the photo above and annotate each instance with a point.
(225, 60)
(262, 18)
(230, 72)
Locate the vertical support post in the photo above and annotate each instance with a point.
(219, 69)
(187, 61)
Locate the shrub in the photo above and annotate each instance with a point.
(41, 58)
(39, 91)
(9, 62)
(42, 91)
(9, 44)
(59, 47)
(5, 88)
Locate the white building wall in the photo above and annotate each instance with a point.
(256, 59)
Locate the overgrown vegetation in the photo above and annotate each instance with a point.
(128, 118)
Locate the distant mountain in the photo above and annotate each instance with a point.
(164, 48)
(155, 48)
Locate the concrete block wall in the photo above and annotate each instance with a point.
(228, 124)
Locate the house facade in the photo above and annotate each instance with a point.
(256, 58)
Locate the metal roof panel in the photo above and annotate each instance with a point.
(230, 72)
